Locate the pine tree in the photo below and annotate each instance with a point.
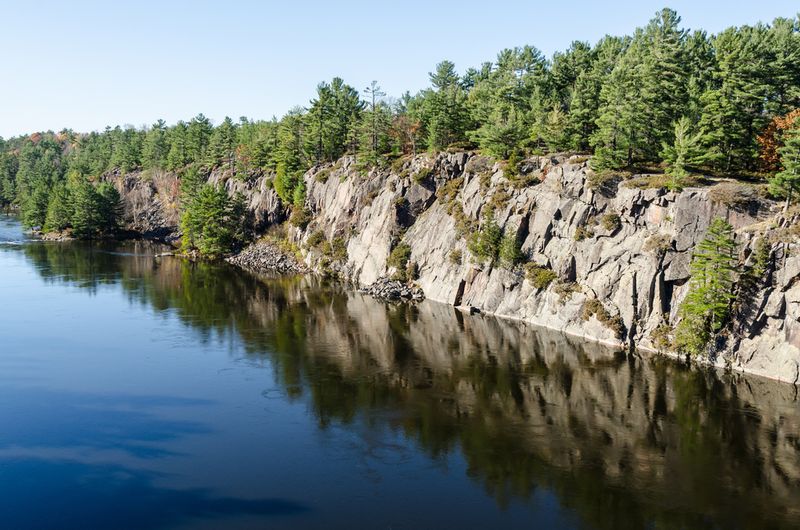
(684, 151)
(289, 155)
(178, 155)
(448, 114)
(662, 80)
(787, 181)
(708, 303)
(614, 138)
(222, 146)
(86, 216)
(375, 124)
(156, 146)
(212, 222)
(733, 105)
(109, 207)
(198, 136)
(59, 209)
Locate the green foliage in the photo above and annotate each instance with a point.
(594, 308)
(786, 182)
(316, 239)
(540, 277)
(34, 207)
(630, 100)
(685, 149)
(708, 303)
(510, 251)
(484, 244)
(86, 216)
(300, 217)
(59, 209)
(399, 260)
(212, 221)
(455, 256)
(611, 222)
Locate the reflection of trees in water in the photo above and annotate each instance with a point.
(623, 441)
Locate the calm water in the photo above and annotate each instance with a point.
(152, 393)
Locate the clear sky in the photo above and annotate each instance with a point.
(88, 64)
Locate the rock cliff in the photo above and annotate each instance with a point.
(606, 257)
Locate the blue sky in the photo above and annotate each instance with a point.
(87, 64)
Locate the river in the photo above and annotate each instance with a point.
(143, 392)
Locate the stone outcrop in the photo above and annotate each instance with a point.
(393, 290)
(266, 256)
(622, 245)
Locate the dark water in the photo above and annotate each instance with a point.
(152, 393)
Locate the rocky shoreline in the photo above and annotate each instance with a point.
(393, 291)
(618, 244)
(265, 256)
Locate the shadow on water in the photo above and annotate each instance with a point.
(624, 442)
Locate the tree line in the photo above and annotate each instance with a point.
(662, 95)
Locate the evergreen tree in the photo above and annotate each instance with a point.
(500, 100)
(787, 181)
(156, 146)
(733, 105)
(661, 80)
(178, 155)
(289, 155)
(59, 209)
(109, 207)
(34, 206)
(86, 216)
(211, 221)
(684, 151)
(707, 305)
(375, 124)
(222, 146)
(448, 114)
(198, 137)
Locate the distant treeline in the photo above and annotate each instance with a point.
(660, 95)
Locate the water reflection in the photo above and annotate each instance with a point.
(624, 442)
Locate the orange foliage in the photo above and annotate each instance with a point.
(772, 139)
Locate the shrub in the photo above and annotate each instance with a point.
(736, 196)
(582, 233)
(540, 277)
(672, 183)
(316, 239)
(565, 290)
(339, 249)
(422, 175)
(322, 175)
(661, 337)
(412, 271)
(300, 217)
(455, 257)
(611, 222)
(606, 181)
(658, 244)
(510, 251)
(485, 243)
(398, 259)
(593, 307)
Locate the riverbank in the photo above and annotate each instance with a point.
(619, 242)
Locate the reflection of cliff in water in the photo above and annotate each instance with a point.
(625, 442)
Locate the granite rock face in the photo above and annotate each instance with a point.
(607, 241)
